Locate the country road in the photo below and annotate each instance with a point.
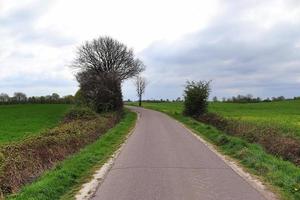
(164, 161)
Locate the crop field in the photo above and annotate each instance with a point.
(282, 114)
(20, 121)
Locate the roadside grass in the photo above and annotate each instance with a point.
(24, 161)
(282, 176)
(20, 121)
(66, 178)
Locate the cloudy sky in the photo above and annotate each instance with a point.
(243, 46)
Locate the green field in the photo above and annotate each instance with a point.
(284, 114)
(20, 121)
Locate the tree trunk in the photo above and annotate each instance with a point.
(140, 101)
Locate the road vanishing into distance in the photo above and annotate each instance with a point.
(162, 160)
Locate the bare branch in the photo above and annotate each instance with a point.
(106, 55)
(140, 83)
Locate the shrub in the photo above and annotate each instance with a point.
(196, 98)
(79, 113)
(102, 93)
(79, 99)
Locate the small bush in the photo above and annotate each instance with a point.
(79, 99)
(195, 98)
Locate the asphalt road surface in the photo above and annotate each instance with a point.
(163, 161)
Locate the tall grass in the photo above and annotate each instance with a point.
(270, 138)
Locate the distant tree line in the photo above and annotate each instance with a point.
(159, 100)
(21, 98)
(237, 99)
(250, 99)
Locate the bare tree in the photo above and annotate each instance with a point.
(103, 64)
(215, 99)
(19, 96)
(140, 84)
(106, 55)
(4, 97)
(55, 96)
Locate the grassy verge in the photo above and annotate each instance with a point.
(269, 137)
(282, 175)
(71, 172)
(24, 161)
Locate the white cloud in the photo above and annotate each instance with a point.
(35, 33)
(176, 38)
(241, 54)
(137, 23)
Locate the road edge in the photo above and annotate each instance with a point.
(89, 189)
(251, 179)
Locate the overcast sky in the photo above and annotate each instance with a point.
(243, 46)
